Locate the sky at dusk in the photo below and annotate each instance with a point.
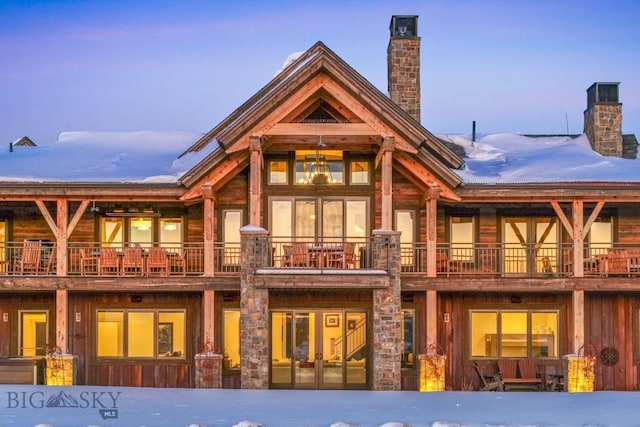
(169, 65)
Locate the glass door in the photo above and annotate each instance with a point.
(319, 349)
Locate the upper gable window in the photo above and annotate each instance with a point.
(359, 172)
(319, 167)
(278, 172)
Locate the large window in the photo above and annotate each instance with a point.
(326, 219)
(319, 167)
(406, 223)
(143, 230)
(514, 333)
(600, 236)
(141, 333)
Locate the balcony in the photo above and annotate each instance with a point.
(290, 255)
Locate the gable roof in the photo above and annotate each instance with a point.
(319, 74)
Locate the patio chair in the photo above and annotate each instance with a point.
(109, 262)
(132, 261)
(300, 255)
(89, 262)
(487, 382)
(529, 371)
(157, 261)
(30, 257)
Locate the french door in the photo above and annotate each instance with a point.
(319, 349)
(530, 245)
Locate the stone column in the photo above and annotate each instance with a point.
(254, 311)
(387, 325)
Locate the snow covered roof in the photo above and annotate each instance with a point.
(508, 158)
(122, 157)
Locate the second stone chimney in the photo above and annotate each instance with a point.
(603, 119)
(403, 64)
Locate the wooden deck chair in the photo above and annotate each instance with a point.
(529, 371)
(30, 257)
(52, 260)
(132, 261)
(157, 261)
(299, 255)
(507, 369)
(88, 262)
(287, 252)
(109, 262)
(487, 382)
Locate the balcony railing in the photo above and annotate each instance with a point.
(321, 254)
(187, 259)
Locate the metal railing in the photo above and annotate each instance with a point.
(324, 254)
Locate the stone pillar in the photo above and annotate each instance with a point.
(254, 311)
(387, 325)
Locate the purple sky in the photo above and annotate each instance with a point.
(163, 65)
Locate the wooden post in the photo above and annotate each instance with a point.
(61, 236)
(578, 320)
(209, 233)
(255, 181)
(432, 317)
(432, 197)
(61, 319)
(208, 315)
(388, 146)
(578, 238)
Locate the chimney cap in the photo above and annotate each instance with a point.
(603, 93)
(404, 26)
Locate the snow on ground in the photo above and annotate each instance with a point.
(84, 406)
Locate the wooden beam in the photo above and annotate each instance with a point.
(47, 216)
(62, 314)
(324, 129)
(431, 218)
(388, 146)
(578, 320)
(209, 232)
(592, 218)
(77, 216)
(208, 315)
(563, 218)
(578, 238)
(432, 317)
(255, 182)
(62, 216)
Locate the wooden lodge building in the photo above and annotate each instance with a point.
(324, 240)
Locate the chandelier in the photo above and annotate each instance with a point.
(317, 168)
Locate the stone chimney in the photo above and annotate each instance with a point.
(403, 64)
(603, 119)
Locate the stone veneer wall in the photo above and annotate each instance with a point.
(387, 321)
(603, 127)
(254, 313)
(403, 73)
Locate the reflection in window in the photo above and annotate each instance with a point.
(600, 237)
(408, 334)
(514, 333)
(111, 232)
(462, 238)
(170, 232)
(141, 333)
(359, 172)
(277, 172)
(141, 231)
